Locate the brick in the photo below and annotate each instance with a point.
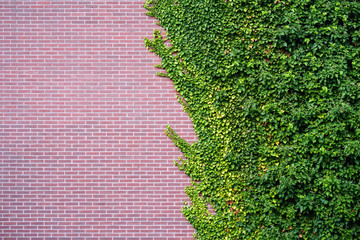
(82, 118)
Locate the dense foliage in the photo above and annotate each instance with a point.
(273, 90)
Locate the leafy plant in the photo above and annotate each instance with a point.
(273, 90)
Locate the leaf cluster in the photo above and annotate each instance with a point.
(273, 90)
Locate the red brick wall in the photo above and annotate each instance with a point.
(82, 115)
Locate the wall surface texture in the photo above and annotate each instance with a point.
(83, 153)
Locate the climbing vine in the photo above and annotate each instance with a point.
(273, 90)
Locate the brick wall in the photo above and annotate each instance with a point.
(82, 116)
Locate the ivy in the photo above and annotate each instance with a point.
(273, 90)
